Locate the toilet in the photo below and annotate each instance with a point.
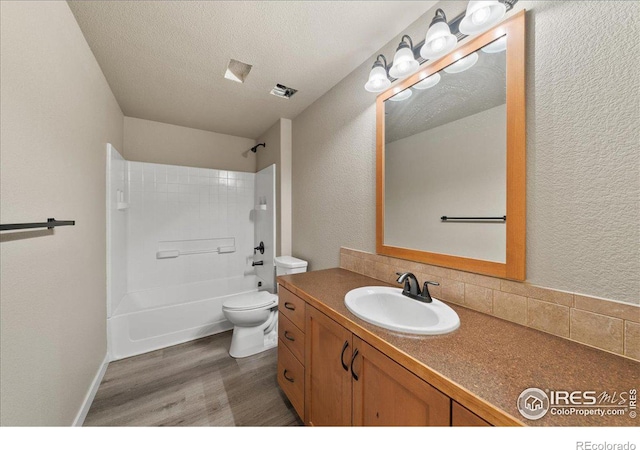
(254, 315)
(288, 265)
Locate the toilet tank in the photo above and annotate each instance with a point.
(287, 265)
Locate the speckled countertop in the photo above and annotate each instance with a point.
(487, 362)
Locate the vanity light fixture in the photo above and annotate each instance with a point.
(482, 15)
(428, 82)
(439, 41)
(403, 95)
(378, 79)
(496, 46)
(463, 64)
(404, 63)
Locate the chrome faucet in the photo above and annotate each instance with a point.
(412, 287)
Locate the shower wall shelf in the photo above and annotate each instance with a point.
(49, 224)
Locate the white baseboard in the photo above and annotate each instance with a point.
(88, 399)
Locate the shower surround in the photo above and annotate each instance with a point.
(180, 241)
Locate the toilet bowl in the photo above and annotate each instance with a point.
(254, 316)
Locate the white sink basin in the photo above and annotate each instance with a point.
(386, 307)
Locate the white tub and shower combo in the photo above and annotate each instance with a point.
(180, 243)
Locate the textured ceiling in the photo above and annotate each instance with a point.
(456, 96)
(165, 60)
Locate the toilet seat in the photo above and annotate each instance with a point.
(250, 301)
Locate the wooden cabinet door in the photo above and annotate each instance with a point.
(385, 393)
(462, 417)
(327, 383)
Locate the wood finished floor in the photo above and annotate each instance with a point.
(192, 384)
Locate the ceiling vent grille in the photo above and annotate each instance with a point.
(237, 71)
(282, 91)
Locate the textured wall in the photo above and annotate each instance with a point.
(162, 143)
(582, 162)
(58, 114)
(278, 152)
(334, 166)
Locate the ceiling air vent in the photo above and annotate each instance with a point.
(237, 71)
(282, 91)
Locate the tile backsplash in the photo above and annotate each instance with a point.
(600, 323)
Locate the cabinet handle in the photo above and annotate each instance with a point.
(291, 338)
(289, 379)
(344, 347)
(289, 306)
(353, 358)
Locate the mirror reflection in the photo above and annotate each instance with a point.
(445, 156)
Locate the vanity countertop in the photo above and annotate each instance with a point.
(487, 362)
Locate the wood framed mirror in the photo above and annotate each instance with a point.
(451, 158)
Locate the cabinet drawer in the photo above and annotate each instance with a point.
(291, 378)
(462, 417)
(291, 306)
(292, 337)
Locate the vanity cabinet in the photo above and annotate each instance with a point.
(333, 377)
(328, 386)
(349, 382)
(462, 417)
(291, 339)
(387, 394)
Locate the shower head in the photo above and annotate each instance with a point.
(255, 148)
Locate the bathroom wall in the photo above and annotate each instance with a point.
(57, 116)
(161, 143)
(278, 151)
(264, 217)
(117, 226)
(583, 125)
(449, 170)
(187, 209)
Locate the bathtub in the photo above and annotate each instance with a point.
(156, 318)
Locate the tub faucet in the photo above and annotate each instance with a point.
(257, 263)
(412, 287)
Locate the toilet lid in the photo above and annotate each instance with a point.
(251, 300)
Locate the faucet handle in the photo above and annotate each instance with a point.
(425, 290)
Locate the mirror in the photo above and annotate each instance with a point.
(451, 159)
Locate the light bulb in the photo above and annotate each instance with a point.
(481, 15)
(496, 46)
(428, 82)
(438, 44)
(378, 80)
(403, 95)
(463, 64)
(404, 63)
(439, 41)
